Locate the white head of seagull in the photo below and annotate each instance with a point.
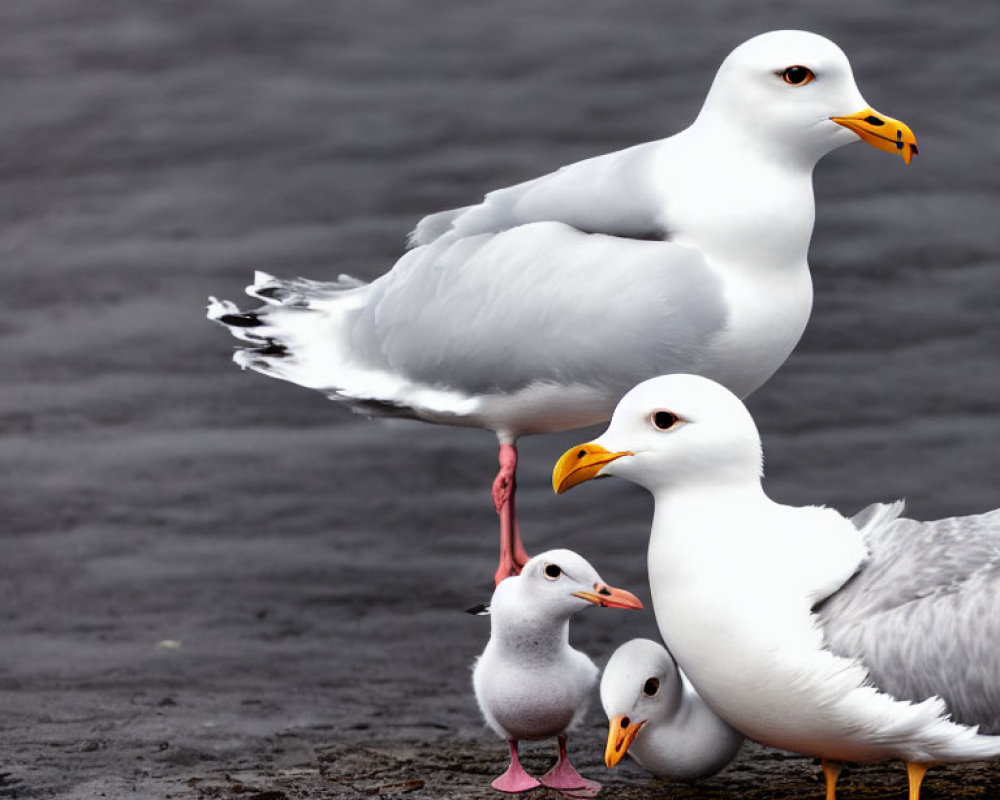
(640, 686)
(656, 716)
(792, 95)
(552, 587)
(676, 430)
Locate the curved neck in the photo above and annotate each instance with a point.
(712, 490)
(734, 483)
(528, 635)
(740, 207)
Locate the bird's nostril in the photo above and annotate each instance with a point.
(874, 121)
(626, 722)
(604, 590)
(581, 454)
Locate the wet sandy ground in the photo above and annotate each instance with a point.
(215, 585)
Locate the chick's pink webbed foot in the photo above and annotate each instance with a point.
(515, 779)
(564, 777)
(512, 554)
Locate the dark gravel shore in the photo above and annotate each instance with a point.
(215, 585)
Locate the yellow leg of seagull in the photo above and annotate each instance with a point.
(831, 769)
(915, 772)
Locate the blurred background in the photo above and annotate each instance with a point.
(195, 561)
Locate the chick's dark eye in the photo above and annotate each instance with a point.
(797, 75)
(651, 686)
(664, 420)
(552, 571)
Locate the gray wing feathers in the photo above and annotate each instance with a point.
(545, 284)
(540, 304)
(923, 614)
(612, 194)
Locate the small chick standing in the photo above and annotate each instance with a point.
(529, 682)
(656, 716)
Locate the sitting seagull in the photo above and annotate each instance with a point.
(656, 716)
(850, 641)
(536, 309)
(529, 682)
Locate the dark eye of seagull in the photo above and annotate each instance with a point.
(664, 420)
(552, 571)
(798, 75)
(651, 687)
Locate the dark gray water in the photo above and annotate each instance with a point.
(196, 561)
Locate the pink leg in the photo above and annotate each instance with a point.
(515, 779)
(512, 554)
(563, 776)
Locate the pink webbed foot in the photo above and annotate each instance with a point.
(512, 554)
(515, 779)
(564, 777)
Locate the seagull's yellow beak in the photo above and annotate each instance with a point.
(882, 132)
(610, 597)
(621, 733)
(581, 463)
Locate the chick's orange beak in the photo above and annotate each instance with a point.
(882, 132)
(581, 463)
(610, 597)
(621, 733)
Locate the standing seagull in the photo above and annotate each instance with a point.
(529, 682)
(900, 660)
(536, 309)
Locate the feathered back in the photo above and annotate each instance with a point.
(921, 612)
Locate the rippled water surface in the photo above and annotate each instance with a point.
(203, 570)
